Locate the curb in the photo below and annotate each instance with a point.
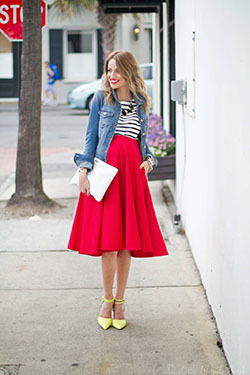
(7, 183)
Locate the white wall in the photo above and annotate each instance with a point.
(216, 201)
(83, 21)
(125, 38)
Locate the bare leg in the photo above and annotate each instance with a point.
(108, 274)
(54, 96)
(123, 266)
(46, 100)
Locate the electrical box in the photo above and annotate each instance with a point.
(179, 91)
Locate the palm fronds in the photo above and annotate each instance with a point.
(70, 7)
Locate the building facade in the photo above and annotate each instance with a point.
(213, 157)
(74, 45)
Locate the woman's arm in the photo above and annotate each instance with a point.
(150, 155)
(86, 159)
(84, 186)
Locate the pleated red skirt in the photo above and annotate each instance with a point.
(125, 218)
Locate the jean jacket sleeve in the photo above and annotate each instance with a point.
(149, 153)
(86, 159)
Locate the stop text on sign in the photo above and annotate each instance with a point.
(11, 18)
(11, 13)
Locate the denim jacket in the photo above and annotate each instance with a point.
(101, 128)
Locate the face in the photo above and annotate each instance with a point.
(115, 78)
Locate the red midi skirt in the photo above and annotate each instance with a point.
(125, 218)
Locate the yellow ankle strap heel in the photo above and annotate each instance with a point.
(119, 323)
(105, 323)
(107, 300)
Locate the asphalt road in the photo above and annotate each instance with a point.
(62, 129)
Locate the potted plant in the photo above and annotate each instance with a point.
(162, 145)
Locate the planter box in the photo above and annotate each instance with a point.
(165, 169)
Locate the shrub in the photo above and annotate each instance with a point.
(159, 141)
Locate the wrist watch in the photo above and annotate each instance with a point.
(149, 162)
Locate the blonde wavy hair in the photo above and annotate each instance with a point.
(130, 70)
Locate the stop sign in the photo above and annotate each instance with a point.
(11, 18)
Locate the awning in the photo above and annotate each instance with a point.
(139, 6)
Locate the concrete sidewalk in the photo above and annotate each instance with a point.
(50, 299)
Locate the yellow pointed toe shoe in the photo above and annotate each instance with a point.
(119, 323)
(105, 323)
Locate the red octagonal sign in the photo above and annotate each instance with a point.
(11, 18)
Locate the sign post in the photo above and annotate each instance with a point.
(11, 18)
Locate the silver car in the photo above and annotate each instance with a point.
(80, 96)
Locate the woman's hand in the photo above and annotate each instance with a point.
(146, 166)
(84, 182)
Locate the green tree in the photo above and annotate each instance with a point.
(29, 192)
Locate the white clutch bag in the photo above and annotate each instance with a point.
(100, 177)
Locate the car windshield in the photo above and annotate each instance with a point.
(146, 72)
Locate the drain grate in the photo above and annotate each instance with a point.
(9, 369)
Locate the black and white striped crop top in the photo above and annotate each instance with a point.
(129, 124)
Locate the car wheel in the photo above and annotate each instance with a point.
(89, 102)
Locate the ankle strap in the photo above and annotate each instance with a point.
(119, 301)
(107, 300)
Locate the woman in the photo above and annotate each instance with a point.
(123, 223)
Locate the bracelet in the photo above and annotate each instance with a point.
(83, 170)
(150, 162)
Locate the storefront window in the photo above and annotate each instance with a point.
(79, 42)
(6, 58)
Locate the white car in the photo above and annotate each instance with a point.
(80, 96)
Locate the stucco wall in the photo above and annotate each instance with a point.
(216, 197)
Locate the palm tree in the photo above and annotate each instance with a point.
(107, 21)
(29, 190)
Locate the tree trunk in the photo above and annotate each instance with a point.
(28, 165)
(108, 23)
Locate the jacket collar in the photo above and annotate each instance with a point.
(141, 99)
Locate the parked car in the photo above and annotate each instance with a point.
(80, 96)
